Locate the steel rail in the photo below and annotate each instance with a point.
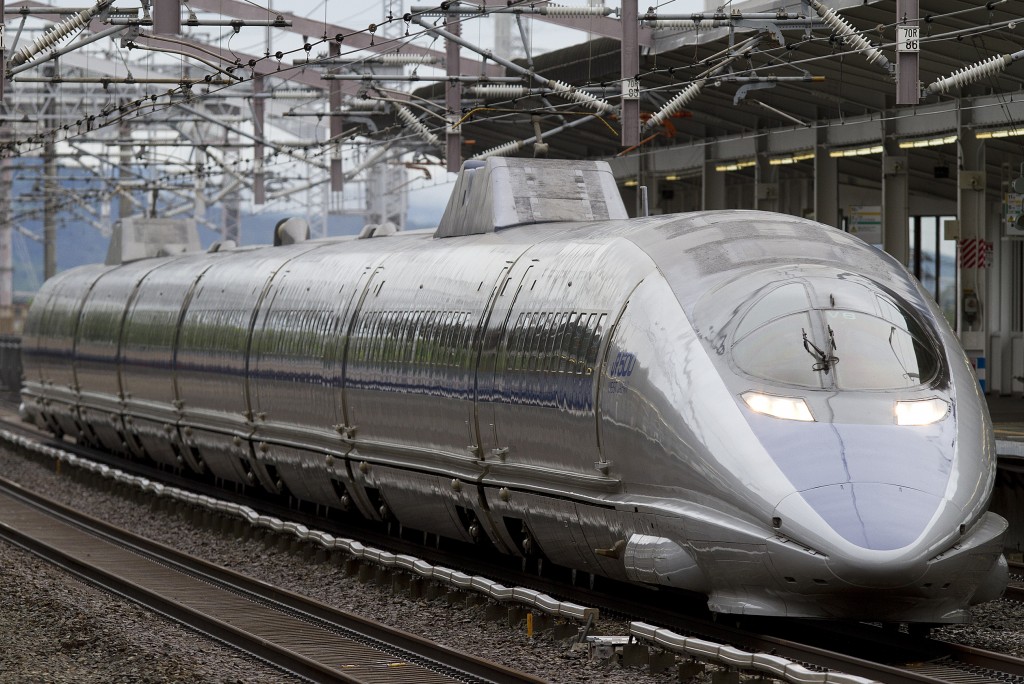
(421, 655)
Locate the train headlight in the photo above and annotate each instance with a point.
(921, 411)
(789, 408)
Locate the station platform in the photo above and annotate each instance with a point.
(1008, 420)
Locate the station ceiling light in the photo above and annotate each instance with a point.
(736, 165)
(631, 184)
(928, 142)
(999, 133)
(856, 151)
(791, 159)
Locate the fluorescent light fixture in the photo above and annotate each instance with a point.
(787, 408)
(631, 184)
(921, 412)
(791, 159)
(928, 142)
(856, 151)
(671, 178)
(736, 166)
(998, 133)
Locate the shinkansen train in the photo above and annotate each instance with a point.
(752, 406)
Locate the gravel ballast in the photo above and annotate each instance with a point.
(55, 629)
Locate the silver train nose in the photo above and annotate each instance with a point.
(876, 534)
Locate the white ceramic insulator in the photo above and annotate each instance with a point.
(582, 11)
(586, 99)
(395, 60)
(846, 30)
(500, 92)
(364, 105)
(686, 24)
(54, 35)
(501, 150)
(971, 74)
(410, 120)
(685, 97)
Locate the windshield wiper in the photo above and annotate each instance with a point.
(906, 373)
(825, 362)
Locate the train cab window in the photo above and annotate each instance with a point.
(780, 301)
(849, 338)
(879, 353)
(775, 352)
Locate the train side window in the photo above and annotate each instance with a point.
(547, 332)
(443, 337)
(458, 343)
(537, 344)
(367, 336)
(555, 351)
(458, 334)
(580, 342)
(546, 356)
(373, 336)
(449, 333)
(377, 338)
(464, 339)
(397, 341)
(515, 342)
(528, 338)
(434, 353)
(412, 355)
(595, 344)
(394, 338)
(398, 327)
(568, 364)
(408, 337)
(426, 333)
(355, 342)
(510, 343)
(381, 337)
(550, 361)
(320, 324)
(522, 341)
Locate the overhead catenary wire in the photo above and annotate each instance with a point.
(561, 88)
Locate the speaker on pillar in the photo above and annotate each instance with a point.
(166, 17)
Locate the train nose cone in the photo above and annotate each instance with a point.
(885, 526)
(879, 517)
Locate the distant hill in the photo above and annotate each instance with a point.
(79, 242)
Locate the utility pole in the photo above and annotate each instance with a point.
(50, 187)
(453, 102)
(124, 207)
(908, 52)
(6, 257)
(630, 47)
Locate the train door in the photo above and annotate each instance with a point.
(494, 356)
(371, 277)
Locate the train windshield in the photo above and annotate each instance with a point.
(859, 340)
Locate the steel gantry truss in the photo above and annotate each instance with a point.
(168, 108)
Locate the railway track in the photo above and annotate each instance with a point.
(1015, 590)
(864, 652)
(295, 634)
